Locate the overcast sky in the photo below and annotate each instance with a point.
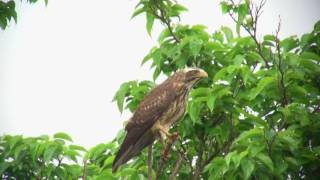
(61, 65)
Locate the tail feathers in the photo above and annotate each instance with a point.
(126, 153)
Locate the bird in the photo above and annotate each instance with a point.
(158, 111)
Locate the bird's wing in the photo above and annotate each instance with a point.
(138, 129)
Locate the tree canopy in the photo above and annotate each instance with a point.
(257, 116)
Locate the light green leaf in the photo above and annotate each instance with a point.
(77, 147)
(150, 21)
(195, 46)
(227, 32)
(62, 135)
(225, 7)
(121, 94)
(242, 12)
(194, 111)
(211, 102)
(138, 11)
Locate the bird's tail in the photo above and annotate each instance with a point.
(129, 149)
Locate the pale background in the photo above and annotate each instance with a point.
(61, 65)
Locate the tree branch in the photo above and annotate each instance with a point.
(84, 176)
(165, 155)
(150, 162)
(177, 168)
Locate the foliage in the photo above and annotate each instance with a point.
(255, 117)
(8, 12)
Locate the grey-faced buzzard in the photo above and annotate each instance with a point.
(163, 106)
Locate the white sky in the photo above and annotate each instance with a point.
(61, 65)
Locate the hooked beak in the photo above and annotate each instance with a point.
(202, 74)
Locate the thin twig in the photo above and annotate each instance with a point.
(177, 168)
(150, 162)
(253, 33)
(162, 17)
(281, 71)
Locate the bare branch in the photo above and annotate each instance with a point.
(253, 34)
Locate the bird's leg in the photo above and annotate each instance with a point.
(171, 139)
(165, 134)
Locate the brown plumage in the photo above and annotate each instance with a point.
(163, 106)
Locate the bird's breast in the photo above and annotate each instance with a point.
(175, 111)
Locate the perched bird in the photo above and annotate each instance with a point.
(163, 106)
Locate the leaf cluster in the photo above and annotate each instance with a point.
(8, 12)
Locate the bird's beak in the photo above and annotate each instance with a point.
(203, 74)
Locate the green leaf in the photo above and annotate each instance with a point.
(150, 21)
(225, 7)
(121, 94)
(137, 12)
(76, 147)
(156, 73)
(49, 152)
(211, 102)
(242, 12)
(289, 43)
(227, 32)
(177, 9)
(269, 37)
(266, 160)
(62, 135)
(256, 132)
(247, 166)
(194, 111)
(156, 56)
(311, 55)
(263, 83)
(195, 46)
(163, 35)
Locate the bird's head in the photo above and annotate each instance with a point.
(190, 76)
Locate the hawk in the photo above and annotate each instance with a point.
(163, 106)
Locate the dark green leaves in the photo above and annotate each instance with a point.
(25, 156)
(247, 166)
(7, 12)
